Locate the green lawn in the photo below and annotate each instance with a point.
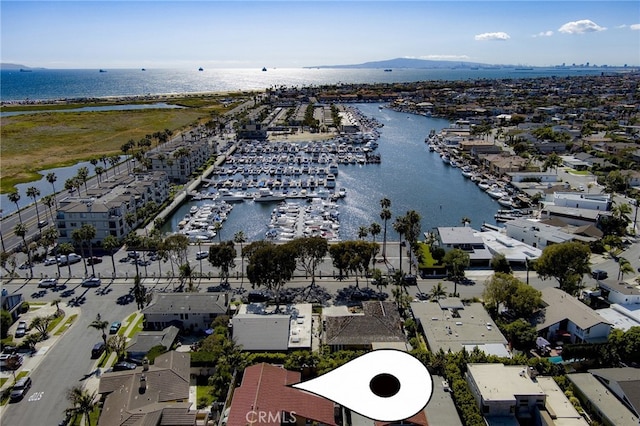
(426, 259)
(66, 324)
(136, 328)
(203, 395)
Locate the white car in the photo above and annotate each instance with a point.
(202, 255)
(50, 261)
(48, 282)
(91, 282)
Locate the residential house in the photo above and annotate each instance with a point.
(565, 318)
(624, 382)
(535, 233)
(265, 397)
(192, 311)
(601, 402)
(508, 393)
(150, 395)
(140, 344)
(620, 292)
(11, 303)
(378, 322)
(466, 239)
(451, 325)
(257, 327)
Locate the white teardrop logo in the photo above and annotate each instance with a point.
(384, 385)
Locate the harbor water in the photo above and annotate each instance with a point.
(409, 175)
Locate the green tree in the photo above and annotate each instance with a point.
(270, 265)
(457, 261)
(139, 292)
(521, 334)
(385, 215)
(186, 275)
(110, 243)
(310, 252)
(223, 256)
(624, 268)
(66, 249)
(34, 193)
(20, 230)
(499, 263)
(82, 402)
(567, 263)
(240, 238)
(42, 324)
(52, 178)
(100, 325)
(5, 323)
(117, 344)
(14, 197)
(437, 292)
(374, 229)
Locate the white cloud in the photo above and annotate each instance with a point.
(544, 34)
(501, 36)
(580, 27)
(444, 57)
(635, 27)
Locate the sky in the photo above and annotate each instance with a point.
(295, 34)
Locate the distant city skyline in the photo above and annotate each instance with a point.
(296, 34)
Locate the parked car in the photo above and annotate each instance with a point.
(21, 330)
(133, 254)
(50, 261)
(410, 280)
(25, 265)
(124, 365)
(115, 326)
(43, 223)
(202, 255)
(91, 282)
(599, 274)
(48, 282)
(20, 389)
(97, 350)
(71, 259)
(94, 260)
(10, 361)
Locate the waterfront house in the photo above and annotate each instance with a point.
(466, 239)
(152, 395)
(187, 311)
(535, 233)
(265, 397)
(511, 394)
(257, 327)
(451, 325)
(565, 318)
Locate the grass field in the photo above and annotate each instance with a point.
(33, 142)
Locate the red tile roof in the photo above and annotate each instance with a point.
(264, 395)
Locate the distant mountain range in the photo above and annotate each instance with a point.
(414, 64)
(8, 66)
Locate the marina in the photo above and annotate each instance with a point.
(303, 173)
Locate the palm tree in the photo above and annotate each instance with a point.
(400, 227)
(66, 249)
(21, 231)
(363, 231)
(34, 193)
(217, 226)
(99, 171)
(110, 244)
(101, 325)
(437, 291)
(56, 303)
(82, 401)
(14, 197)
(83, 176)
(78, 239)
(88, 233)
(374, 229)
(624, 267)
(385, 215)
(49, 200)
(186, 273)
(240, 238)
(52, 178)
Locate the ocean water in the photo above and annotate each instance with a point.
(410, 176)
(48, 84)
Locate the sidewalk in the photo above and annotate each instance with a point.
(31, 362)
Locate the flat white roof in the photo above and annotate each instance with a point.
(512, 249)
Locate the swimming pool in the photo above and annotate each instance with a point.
(555, 359)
